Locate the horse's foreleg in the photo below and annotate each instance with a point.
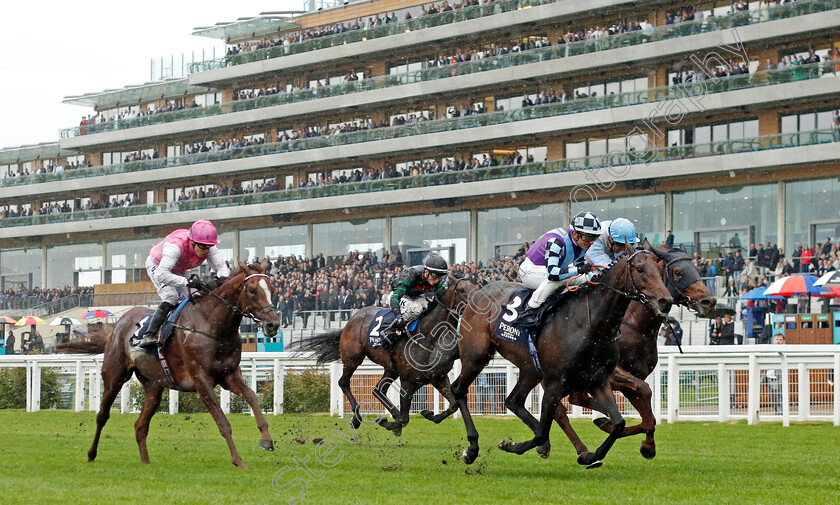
(469, 371)
(445, 388)
(640, 395)
(515, 402)
(204, 388)
(407, 391)
(603, 397)
(236, 384)
(562, 419)
(150, 405)
(113, 382)
(551, 399)
(380, 392)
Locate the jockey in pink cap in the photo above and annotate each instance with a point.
(169, 264)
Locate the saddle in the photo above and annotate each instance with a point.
(165, 332)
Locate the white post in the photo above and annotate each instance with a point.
(436, 401)
(836, 388)
(673, 389)
(804, 393)
(28, 373)
(335, 391)
(174, 394)
(224, 400)
(125, 397)
(279, 381)
(753, 400)
(510, 381)
(36, 386)
(455, 373)
(79, 397)
(723, 393)
(655, 381)
(785, 391)
(395, 393)
(253, 379)
(93, 391)
(541, 395)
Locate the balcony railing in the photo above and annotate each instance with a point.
(743, 81)
(470, 67)
(763, 143)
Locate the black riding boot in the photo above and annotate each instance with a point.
(150, 338)
(389, 333)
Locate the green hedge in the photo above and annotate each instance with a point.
(13, 388)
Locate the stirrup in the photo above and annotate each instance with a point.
(529, 318)
(148, 342)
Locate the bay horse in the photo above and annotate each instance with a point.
(424, 357)
(203, 351)
(576, 347)
(637, 347)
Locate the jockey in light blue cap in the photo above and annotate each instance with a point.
(615, 236)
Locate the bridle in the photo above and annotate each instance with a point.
(247, 313)
(454, 313)
(637, 294)
(676, 287)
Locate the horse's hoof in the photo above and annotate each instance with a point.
(91, 456)
(428, 414)
(469, 454)
(505, 445)
(355, 423)
(586, 459)
(594, 464)
(544, 451)
(268, 445)
(647, 452)
(397, 431)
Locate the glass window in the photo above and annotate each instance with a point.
(501, 232)
(736, 131)
(751, 129)
(130, 253)
(647, 213)
(702, 134)
(808, 203)
(74, 264)
(21, 267)
(272, 243)
(807, 122)
(790, 124)
(720, 132)
(337, 239)
(447, 234)
(575, 149)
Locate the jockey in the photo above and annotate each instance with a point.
(168, 266)
(416, 286)
(555, 257)
(614, 239)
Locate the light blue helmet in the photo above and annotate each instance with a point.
(623, 231)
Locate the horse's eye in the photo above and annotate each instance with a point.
(640, 269)
(253, 291)
(678, 273)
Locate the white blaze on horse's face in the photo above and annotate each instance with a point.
(264, 286)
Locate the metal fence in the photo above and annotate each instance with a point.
(756, 383)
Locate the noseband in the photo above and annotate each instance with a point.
(248, 313)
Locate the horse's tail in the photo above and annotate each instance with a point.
(324, 345)
(93, 344)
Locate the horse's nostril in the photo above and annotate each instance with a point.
(705, 303)
(664, 302)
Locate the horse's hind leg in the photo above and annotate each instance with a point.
(407, 391)
(639, 394)
(562, 419)
(350, 367)
(113, 378)
(150, 406)
(204, 388)
(235, 384)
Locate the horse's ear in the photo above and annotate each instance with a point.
(682, 248)
(264, 265)
(645, 245)
(242, 266)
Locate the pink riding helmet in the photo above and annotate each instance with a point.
(203, 232)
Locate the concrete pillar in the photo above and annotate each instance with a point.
(780, 218)
(43, 267)
(387, 235)
(104, 261)
(236, 246)
(309, 241)
(669, 211)
(473, 239)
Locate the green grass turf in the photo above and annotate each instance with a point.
(44, 461)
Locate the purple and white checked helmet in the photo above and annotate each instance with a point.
(586, 222)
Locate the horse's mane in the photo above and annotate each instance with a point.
(561, 294)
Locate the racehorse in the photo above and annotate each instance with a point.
(637, 350)
(576, 347)
(424, 357)
(203, 351)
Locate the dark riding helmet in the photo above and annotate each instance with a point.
(436, 264)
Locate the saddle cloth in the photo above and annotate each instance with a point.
(383, 319)
(507, 328)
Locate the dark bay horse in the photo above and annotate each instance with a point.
(576, 347)
(203, 351)
(637, 350)
(424, 357)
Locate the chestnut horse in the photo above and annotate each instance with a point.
(637, 350)
(424, 357)
(576, 347)
(203, 351)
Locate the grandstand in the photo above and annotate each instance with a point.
(463, 128)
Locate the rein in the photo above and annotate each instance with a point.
(236, 309)
(628, 279)
(453, 313)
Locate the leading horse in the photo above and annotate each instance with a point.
(203, 351)
(424, 357)
(638, 354)
(576, 347)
